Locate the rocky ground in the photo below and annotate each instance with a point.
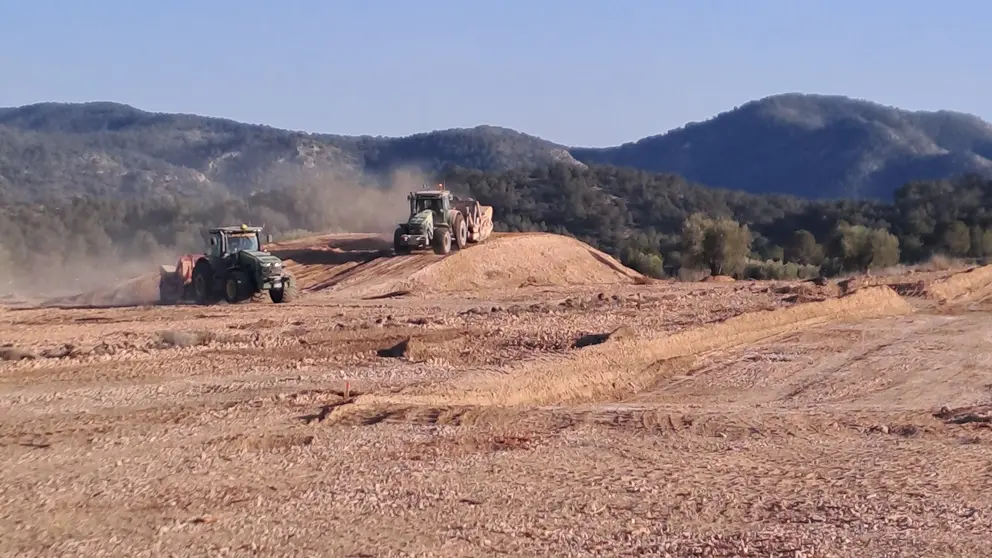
(226, 430)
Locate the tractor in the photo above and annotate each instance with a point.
(438, 218)
(235, 268)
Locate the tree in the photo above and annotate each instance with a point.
(859, 248)
(691, 244)
(849, 246)
(649, 264)
(803, 249)
(981, 242)
(957, 239)
(986, 244)
(884, 247)
(726, 244)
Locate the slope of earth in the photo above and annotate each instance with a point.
(363, 265)
(318, 262)
(353, 265)
(203, 431)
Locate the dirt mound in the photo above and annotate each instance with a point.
(359, 265)
(513, 261)
(810, 291)
(718, 279)
(617, 369)
(139, 291)
(973, 285)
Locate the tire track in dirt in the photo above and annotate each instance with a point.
(741, 424)
(616, 369)
(915, 363)
(822, 373)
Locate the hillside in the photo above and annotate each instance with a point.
(812, 146)
(815, 146)
(490, 148)
(110, 149)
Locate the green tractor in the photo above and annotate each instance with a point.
(439, 219)
(236, 268)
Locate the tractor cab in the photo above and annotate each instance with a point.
(227, 241)
(437, 201)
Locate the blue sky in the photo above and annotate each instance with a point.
(577, 72)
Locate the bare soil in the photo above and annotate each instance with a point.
(549, 404)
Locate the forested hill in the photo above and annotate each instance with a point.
(114, 150)
(641, 217)
(814, 146)
(808, 145)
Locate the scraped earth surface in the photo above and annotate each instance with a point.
(555, 406)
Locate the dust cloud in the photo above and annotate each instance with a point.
(61, 283)
(296, 202)
(342, 203)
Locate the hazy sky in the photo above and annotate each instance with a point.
(578, 72)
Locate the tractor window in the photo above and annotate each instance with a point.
(434, 204)
(215, 245)
(247, 242)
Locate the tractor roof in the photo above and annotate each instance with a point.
(431, 193)
(242, 228)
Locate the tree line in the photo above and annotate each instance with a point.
(662, 225)
(657, 223)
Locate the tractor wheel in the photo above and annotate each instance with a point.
(461, 231)
(236, 288)
(286, 293)
(203, 283)
(441, 241)
(398, 245)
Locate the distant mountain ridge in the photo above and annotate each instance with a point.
(112, 149)
(813, 146)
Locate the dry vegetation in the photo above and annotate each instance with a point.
(526, 397)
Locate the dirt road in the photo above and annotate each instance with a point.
(722, 419)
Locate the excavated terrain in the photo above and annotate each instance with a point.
(528, 396)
